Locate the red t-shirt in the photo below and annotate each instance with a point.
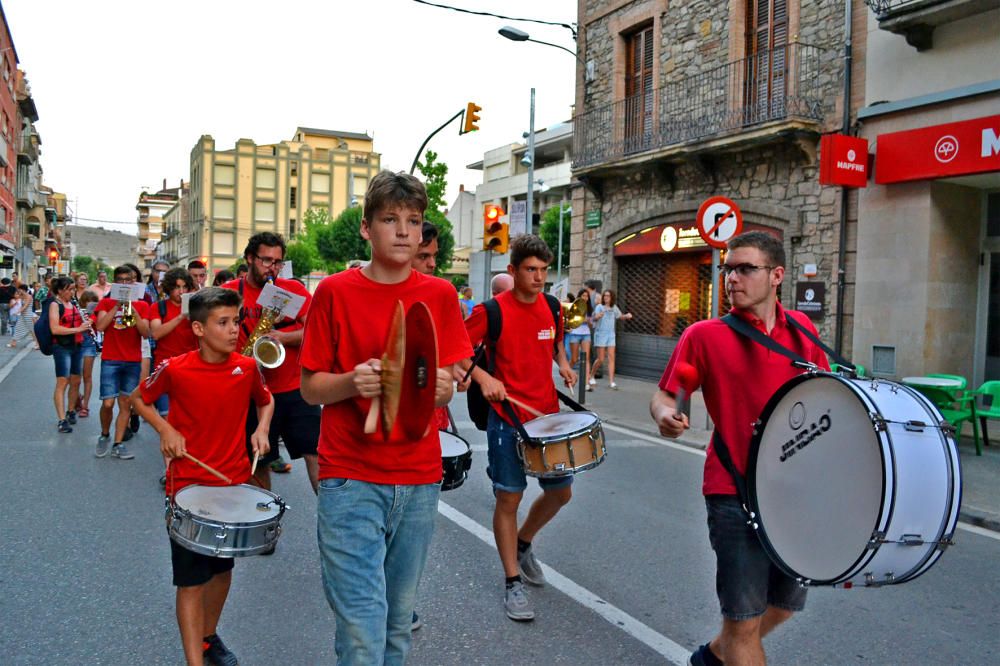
(441, 418)
(523, 353)
(287, 376)
(347, 325)
(738, 376)
(178, 341)
(214, 432)
(121, 344)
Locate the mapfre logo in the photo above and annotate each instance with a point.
(946, 149)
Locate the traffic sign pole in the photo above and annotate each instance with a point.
(716, 296)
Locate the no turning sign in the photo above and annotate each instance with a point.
(719, 219)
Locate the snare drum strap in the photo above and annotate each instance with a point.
(509, 408)
(570, 402)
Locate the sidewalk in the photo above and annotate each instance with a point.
(629, 407)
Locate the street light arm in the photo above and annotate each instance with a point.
(572, 53)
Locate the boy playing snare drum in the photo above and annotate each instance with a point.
(217, 438)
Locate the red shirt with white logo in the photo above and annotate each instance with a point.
(178, 341)
(121, 344)
(347, 325)
(214, 432)
(523, 353)
(287, 376)
(738, 376)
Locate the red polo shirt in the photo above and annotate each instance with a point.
(738, 376)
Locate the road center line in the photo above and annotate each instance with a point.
(674, 652)
(14, 361)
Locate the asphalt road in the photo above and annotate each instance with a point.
(85, 571)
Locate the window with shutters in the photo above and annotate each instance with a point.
(767, 60)
(639, 90)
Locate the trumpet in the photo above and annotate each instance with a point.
(268, 352)
(127, 318)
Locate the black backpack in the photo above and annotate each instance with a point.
(479, 407)
(43, 332)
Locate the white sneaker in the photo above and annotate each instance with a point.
(592, 382)
(612, 385)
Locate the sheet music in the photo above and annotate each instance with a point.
(280, 299)
(185, 304)
(121, 292)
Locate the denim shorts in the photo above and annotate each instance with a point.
(68, 360)
(577, 338)
(89, 347)
(119, 378)
(746, 581)
(504, 466)
(604, 338)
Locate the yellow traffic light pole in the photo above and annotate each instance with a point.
(468, 125)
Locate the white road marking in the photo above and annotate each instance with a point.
(981, 531)
(659, 441)
(17, 359)
(674, 652)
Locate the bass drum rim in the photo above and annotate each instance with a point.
(884, 514)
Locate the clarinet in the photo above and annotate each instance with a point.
(86, 320)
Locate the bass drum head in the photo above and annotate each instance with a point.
(816, 477)
(227, 504)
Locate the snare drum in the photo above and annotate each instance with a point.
(225, 521)
(853, 481)
(562, 444)
(456, 459)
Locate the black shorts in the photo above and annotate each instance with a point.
(295, 422)
(191, 568)
(746, 580)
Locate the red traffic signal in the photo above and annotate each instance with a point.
(53, 256)
(496, 233)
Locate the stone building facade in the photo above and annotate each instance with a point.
(694, 99)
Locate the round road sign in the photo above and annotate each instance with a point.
(719, 219)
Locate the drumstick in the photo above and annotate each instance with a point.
(207, 468)
(530, 410)
(253, 467)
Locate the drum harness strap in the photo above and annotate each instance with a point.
(512, 415)
(746, 330)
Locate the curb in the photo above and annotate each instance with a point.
(973, 517)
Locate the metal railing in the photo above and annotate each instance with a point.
(795, 82)
(883, 7)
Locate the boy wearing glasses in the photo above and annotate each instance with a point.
(295, 422)
(737, 377)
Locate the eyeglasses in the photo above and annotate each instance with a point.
(267, 262)
(743, 270)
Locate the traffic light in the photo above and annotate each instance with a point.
(471, 117)
(53, 257)
(496, 234)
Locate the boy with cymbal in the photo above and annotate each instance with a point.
(216, 437)
(378, 492)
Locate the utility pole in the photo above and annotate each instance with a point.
(531, 165)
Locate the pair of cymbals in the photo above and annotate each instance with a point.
(409, 374)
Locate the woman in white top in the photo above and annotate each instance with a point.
(605, 316)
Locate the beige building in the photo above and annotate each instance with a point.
(252, 188)
(928, 261)
(152, 209)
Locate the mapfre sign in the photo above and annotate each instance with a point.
(843, 161)
(952, 149)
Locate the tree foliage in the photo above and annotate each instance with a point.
(303, 256)
(435, 182)
(90, 266)
(549, 231)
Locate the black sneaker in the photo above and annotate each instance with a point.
(133, 423)
(71, 417)
(216, 652)
(64, 426)
(703, 656)
(128, 435)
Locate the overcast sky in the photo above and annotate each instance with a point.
(125, 88)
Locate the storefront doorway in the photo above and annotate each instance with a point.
(988, 333)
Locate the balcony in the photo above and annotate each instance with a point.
(916, 19)
(784, 90)
(28, 143)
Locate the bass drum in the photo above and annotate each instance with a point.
(853, 481)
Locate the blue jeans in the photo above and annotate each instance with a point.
(373, 542)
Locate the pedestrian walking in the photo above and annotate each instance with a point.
(23, 317)
(605, 316)
(67, 328)
(87, 301)
(7, 294)
(579, 337)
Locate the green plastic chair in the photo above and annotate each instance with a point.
(955, 408)
(988, 406)
(858, 368)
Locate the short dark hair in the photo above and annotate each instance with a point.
(122, 270)
(195, 263)
(222, 277)
(772, 248)
(428, 233)
(211, 298)
(135, 271)
(593, 284)
(529, 245)
(388, 188)
(61, 283)
(268, 238)
(242, 268)
(171, 277)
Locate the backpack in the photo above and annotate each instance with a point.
(479, 407)
(43, 333)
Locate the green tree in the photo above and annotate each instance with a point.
(341, 241)
(90, 266)
(549, 231)
(303, 256)
(435, 181)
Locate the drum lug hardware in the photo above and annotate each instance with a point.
(869, 578)
(878, 423)
(876, 540)
(756, 427)
(893, 389)
(944, 542)
(875, 384)
(947, 428)
(914, 426)
(910, 540)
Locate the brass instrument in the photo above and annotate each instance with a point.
(127, 318)
(574, 314)
(268, 352)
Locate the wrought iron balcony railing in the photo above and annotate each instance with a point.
(795, 82)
